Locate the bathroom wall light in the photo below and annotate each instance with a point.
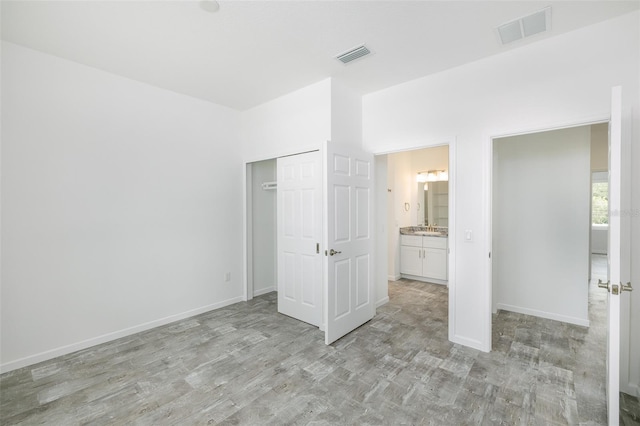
(432, 176)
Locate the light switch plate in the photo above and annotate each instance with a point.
(468, 235)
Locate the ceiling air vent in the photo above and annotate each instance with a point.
(353, 54)
(526, 26)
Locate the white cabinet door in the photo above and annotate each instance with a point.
(411, 260)
(435, 263)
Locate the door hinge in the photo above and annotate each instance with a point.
(489, 255)
(317, 248)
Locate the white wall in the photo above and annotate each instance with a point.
(297, 122)
(543, 85)
(541, 221)
(600, 163)
(264, 228)
(599, 239)
(381, 231)
(600, 147)
(346, 114)
(120, 206)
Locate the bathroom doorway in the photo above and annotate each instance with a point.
(418, 203)
(397, 184)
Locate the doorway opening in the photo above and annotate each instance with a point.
(417, 214)
(542, 221)
(261, 224)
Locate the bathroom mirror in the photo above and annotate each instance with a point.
(433, 203)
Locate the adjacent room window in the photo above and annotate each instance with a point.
(600, 199)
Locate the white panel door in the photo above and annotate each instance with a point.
(348, 240)
(299, 232)
(614, 288)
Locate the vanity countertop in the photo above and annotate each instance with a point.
(437, 231)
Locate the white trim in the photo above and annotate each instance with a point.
(393, 277)
(382, 301)
(67, 349)
(598, 119)
(465, 341)
(542, 314)
(616, 360)
(264, 291)
(284, 153)
(418, 147)
(630, 389)
(487, 200)
(451, 242)
(425, 280)
(247, 257)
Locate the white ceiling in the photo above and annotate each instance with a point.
(253, 51)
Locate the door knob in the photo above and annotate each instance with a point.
(332, 252)
(615, 289)
(603, 285)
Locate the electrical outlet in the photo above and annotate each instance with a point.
(227, 277)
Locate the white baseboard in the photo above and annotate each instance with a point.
(382, 301)
(630, 389)
(472, 343)
(393, 277)
(67, 349)
(542, 314)
(264, 291)
(425, 280)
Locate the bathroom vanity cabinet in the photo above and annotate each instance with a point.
(423, 258)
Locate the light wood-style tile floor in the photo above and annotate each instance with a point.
(246, 364)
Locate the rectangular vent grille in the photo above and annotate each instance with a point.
(353, 54)
(526, 26)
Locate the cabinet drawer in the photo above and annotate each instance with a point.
(434, 242)
(411, 240)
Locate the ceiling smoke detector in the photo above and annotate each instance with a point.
(353, 54)
(526, 26)
(210, 5)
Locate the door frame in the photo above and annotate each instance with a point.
(381, 219)
(488, 191)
